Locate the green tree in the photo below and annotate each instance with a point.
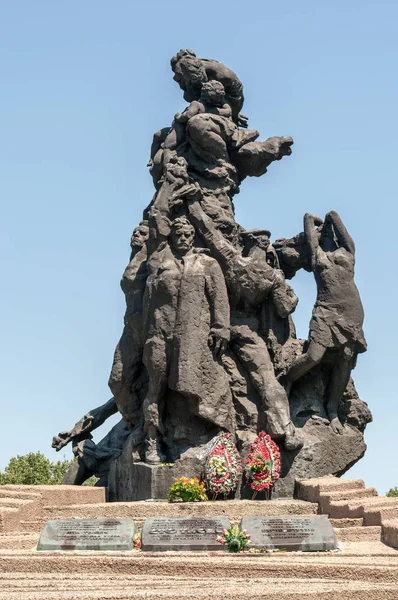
(34, 469)
(393, 492)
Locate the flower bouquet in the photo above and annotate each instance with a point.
(235, 538)
(262, 467)
(187, 489)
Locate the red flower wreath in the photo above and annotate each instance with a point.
(263, 465)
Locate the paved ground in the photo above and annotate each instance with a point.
(360, 570)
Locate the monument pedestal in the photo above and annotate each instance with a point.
(129, 481)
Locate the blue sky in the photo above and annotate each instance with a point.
(84, 87)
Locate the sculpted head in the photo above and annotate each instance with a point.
(213, 93)
(183, 52)
(182, 235)
(140, 236)
(188, 70)
(257, 237)
(327, 238)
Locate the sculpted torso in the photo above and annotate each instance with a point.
(334, 276)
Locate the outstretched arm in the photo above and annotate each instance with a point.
(311, 235)
(343, 237)
(90, 421)
(158, 222)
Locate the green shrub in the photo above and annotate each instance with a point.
(34, 469)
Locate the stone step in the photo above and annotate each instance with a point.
(63, 494)
(9, 519)
(127, 587)
(234, 509)
(379, 564)
(20, 541)
(337, 523)
(358, 534)
(355, 508)
(6, 493)
(310, 489)
(14, 502)
(325, 498)
(32, 526)
(377, 515)
(27, 508)
(389, 532)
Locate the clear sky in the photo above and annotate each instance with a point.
(84, 87)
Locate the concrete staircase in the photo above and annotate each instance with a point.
(17, 506)
(23, 509)
(362, 513)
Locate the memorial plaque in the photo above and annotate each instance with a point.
(183, 533)
(308, 534)
(87, 534)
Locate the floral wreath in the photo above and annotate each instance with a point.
(223, 466)
(263, 465)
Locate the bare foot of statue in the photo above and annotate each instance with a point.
(153, 455)
(292, 441)
(336, 425)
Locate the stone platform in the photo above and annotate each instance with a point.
(363, 568)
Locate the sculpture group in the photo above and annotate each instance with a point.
(209, 343)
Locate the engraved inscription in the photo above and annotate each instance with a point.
(87, 534)
(164, 533)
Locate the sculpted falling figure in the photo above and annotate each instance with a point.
(337, 317)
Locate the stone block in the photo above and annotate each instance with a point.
(160, 534)
(87, 534)
(377, 515)
(389, 533)
(308, 534)
(141, 482)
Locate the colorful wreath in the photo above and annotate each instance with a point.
(263, 463)
(223, 466)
